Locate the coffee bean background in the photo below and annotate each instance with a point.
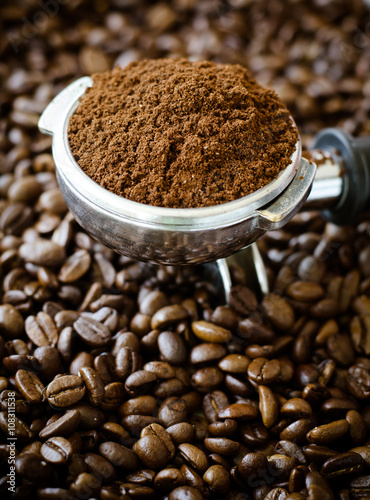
(131, 381)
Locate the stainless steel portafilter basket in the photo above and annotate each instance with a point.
(173, 236)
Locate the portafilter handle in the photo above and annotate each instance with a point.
(341, 189)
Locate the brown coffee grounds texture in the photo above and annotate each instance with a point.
(181, 134)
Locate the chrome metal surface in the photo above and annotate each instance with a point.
(329, 181)
(165, 235)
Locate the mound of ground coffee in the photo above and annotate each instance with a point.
(181, 134)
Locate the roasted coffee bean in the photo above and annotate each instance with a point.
(264, 371)
(152, 451)
(172, 348)
(139, 382)
(210, 332)
(239, 411)
(185, 493)
(41, 330)
(11, 321)
(172, 411)
(194, 456)
(63, 426)
(56, 450)
(182, 432)
(32, 467)
(74, 267)
(279, 312)
(268, 406)
(142, 405)
(253, 465)
(208, 352)
(159, 431)
(224, 428)
(242, 299)
(168, 315)
(360, 487)
(43, 253)
(92, 332)
(207, 379)
(65, 391)
(168, 479)
(213, 402)
(343, 464)
(93, 383)
(19, 430)
(119, 455)
(217, 479)
(100, 467)
(30, 386)
(222, 446)
(296, 408)
(328, 433)
(255, 332)
(234, 363)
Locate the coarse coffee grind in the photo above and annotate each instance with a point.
(181, 134)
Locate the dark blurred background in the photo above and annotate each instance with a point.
(315, 54)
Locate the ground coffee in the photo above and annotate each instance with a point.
(181, 134)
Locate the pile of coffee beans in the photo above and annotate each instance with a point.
(121, 380)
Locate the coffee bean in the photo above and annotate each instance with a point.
(65, 391)
(305, 291)
(222, 446)
(268, 406)
(43, 253)
(217, 479)
(32, 467)
(210, 332)
(11, 321)
(74, 267)
(195, 456)
(327, 433)
(56, 450)
(139, 382)
(360, 487)
(278, 311)
(242, 299)
(63, 426)
(168, 479)
(100, 467)
(238, 411)
(152, 451)
(207, 379)
(92, 332)
(253, 465)
(30, 386)
(208, 352)
(172, 348)
(172, 411)
(119, 455)
(93, 383)
(234, 363)
(343, 464)
(182, 432)
(185, 493)
(41, 330)
(318, 486)
(168, 315)
(142, 405)
(264, 371)
(296, 408)
(159, 431)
